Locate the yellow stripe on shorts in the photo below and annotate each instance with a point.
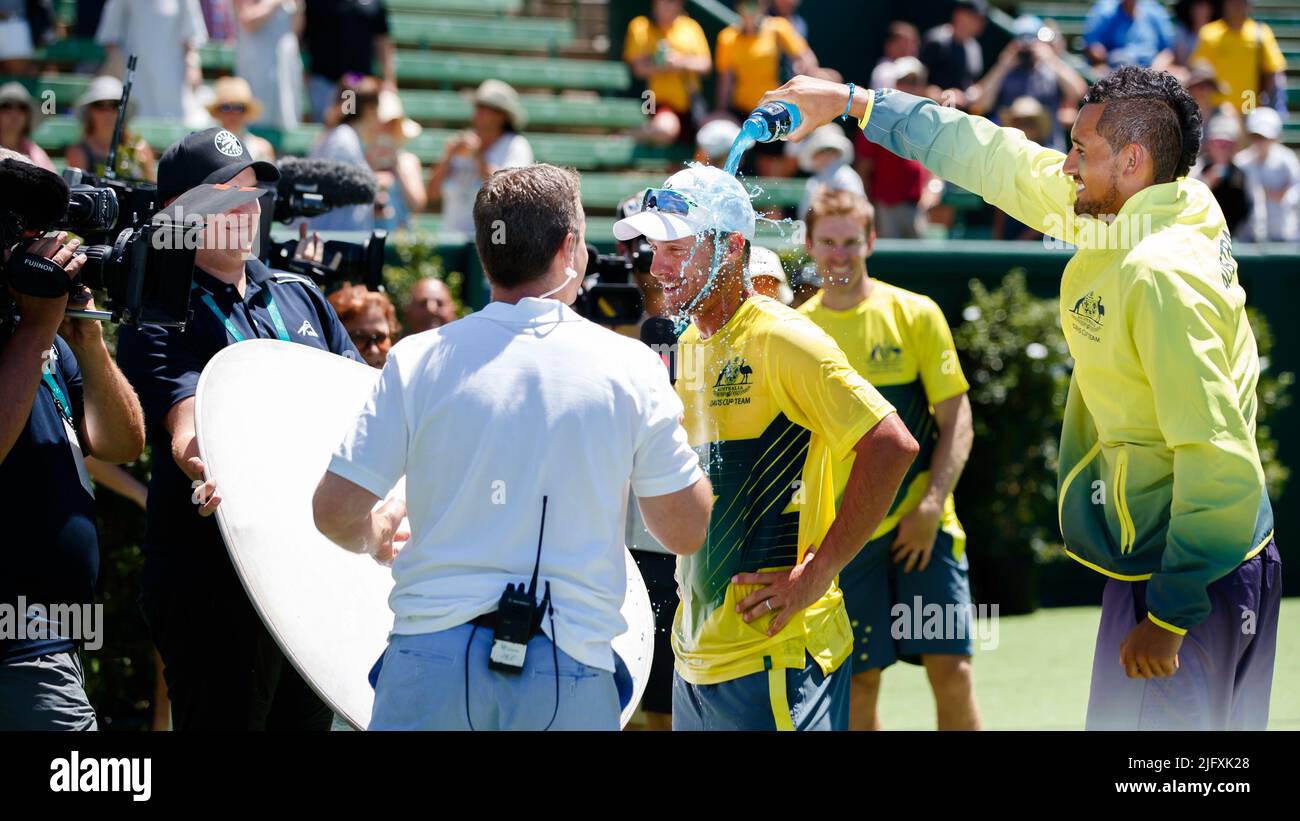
(776, 692)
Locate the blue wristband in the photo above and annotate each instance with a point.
(849, 104)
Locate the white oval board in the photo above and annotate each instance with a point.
(268, 414)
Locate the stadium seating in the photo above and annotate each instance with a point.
(580, 109)
(1282, 16)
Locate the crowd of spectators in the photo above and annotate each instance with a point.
(1230, 62)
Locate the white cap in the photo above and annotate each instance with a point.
(764, 262)
(718, 203)
(909, 67)
(1265, 122)
(827, 136)
(1224, 127)
(716, 136)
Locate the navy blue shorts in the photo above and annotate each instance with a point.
(1225, 666)
(892, 612)
(774, 699)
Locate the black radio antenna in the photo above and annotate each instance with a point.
(110, 171)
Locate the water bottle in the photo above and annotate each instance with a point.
(772, 121)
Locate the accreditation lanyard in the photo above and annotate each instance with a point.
(60, 399)
(69, 425)
(280, 330)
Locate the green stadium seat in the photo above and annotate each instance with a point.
(430, 106)
(459, 69)
(504, 34)
(493, 7)
(579, 151)
(66, 87)
(543, 110)
(71, 51)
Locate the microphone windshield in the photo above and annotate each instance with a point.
(37, 196)
(657, 332)
(338, 183)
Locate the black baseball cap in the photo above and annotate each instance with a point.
(213, 155)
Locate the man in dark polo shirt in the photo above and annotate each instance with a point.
(345, 37)
(951, 53)
(61, 398)
(223, 669)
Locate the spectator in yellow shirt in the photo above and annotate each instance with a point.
(749, 56)
(1246, 57)
(748, 59)
(669, 52)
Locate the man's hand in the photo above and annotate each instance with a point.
(388, 532)
(466, 142)
(47, 312)
(205, 490)
(1011, 53)
(309, 249)
(82, 334)
(819, 102)
(784, 592)
(916, 533)
(1150, 651)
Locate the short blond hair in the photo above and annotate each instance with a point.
(839, 203)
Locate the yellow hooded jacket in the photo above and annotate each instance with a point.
(1159, 474)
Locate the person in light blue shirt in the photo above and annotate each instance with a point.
(1129, 32)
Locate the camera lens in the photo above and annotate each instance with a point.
(92, 271)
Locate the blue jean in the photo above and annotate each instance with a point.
(422, 686)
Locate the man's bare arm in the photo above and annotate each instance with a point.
(344, 512)
(680, 521)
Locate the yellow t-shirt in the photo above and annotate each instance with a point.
(899, 341)
(671, 89)
(770, 404)
(755, 59)
(1238, 58)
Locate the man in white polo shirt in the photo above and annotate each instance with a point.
(487, 417)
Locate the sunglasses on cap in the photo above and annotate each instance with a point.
(666, 201)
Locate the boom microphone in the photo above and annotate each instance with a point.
(657, 332)
(309, 187)
(34, 199)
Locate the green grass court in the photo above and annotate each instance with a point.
(1037, 677)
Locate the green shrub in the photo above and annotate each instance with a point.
(417, 260)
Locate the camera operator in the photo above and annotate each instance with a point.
(657, 564)
(493, 419)
(223, 669)
(1030, 66)
(64, 399)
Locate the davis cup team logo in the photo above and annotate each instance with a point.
(228, 144)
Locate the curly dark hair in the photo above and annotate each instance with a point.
(1150, 108)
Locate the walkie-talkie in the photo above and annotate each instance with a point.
(519, 617)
